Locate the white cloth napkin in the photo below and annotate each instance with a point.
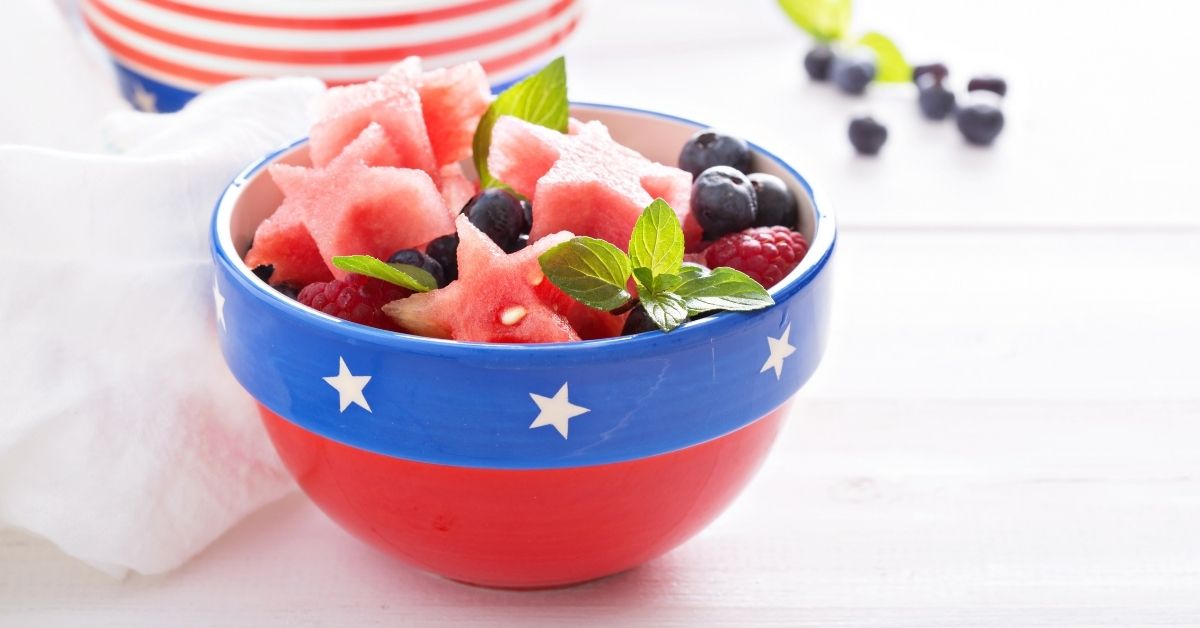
(123, 438)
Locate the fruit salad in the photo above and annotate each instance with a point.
(432, 208)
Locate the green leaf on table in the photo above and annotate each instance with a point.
(891, 67)
(589, 270)
(540, 98)
(825, 20)
(666, 309)
(657, 239)
(403, 275)
(722, 289)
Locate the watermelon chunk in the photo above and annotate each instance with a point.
(521, 153)
(343, 113)
(457, 189)
(452, 101)
(496, 297)
(585, 183)
(351, 208)
(285, 243)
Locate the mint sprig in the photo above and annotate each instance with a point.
(891, 67)
(403, 275)
(540, 98)
(592, 271)
(596, 273)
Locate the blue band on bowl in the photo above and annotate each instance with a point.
(148, 94)
(520, 406)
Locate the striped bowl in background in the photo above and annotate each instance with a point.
(167, 51)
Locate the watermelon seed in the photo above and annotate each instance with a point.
(513, 315)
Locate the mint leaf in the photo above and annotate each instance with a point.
(890, 64)
(403, 275)
(666, 282)
(591, 271)
(666, 309)
(540, 99)
(825, 20)
(722, 289)
(657, 239)
(644, 279)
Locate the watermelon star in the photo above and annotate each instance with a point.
(497, 297)
(585, 182)
(351, 207)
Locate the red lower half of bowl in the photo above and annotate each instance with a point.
(524, 528)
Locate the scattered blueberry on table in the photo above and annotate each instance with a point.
(980, 123)
(988, 83)
(867, 135)
(817, 62)
(935, 100)
(853, 72)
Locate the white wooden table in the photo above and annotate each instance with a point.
(1006, 430)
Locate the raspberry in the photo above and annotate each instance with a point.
(356, 298)
(767, 254)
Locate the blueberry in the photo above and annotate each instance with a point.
(936, 101)
(497, 213)
(522, 242)
(444, 251)
(852, 73)
(980, 122)
(817, 62)
(288, 290)
(413, 257)
(527, 208)
(710, 148)
(264, 272)
(867, 135)
(776, 203)
(993, 84)
(637, 322)
(723, 201)
(938, 71)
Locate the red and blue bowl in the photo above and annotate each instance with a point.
(449, 455)
(167, 51)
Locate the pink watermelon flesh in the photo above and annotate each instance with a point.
(452, 101)
(345, 111)
(521, 153)
(457, 189)
(285, 243)
(585, 183)
(354, 209)
(496, 297)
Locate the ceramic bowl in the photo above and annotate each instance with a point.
(522, 466)
(167, 51)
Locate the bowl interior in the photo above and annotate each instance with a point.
(658, 137)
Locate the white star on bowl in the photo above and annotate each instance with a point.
(556, 410)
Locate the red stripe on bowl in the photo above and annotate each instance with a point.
(331, 23)
(157, 64)
(190, 77)
(372, 55)
(509, 61)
